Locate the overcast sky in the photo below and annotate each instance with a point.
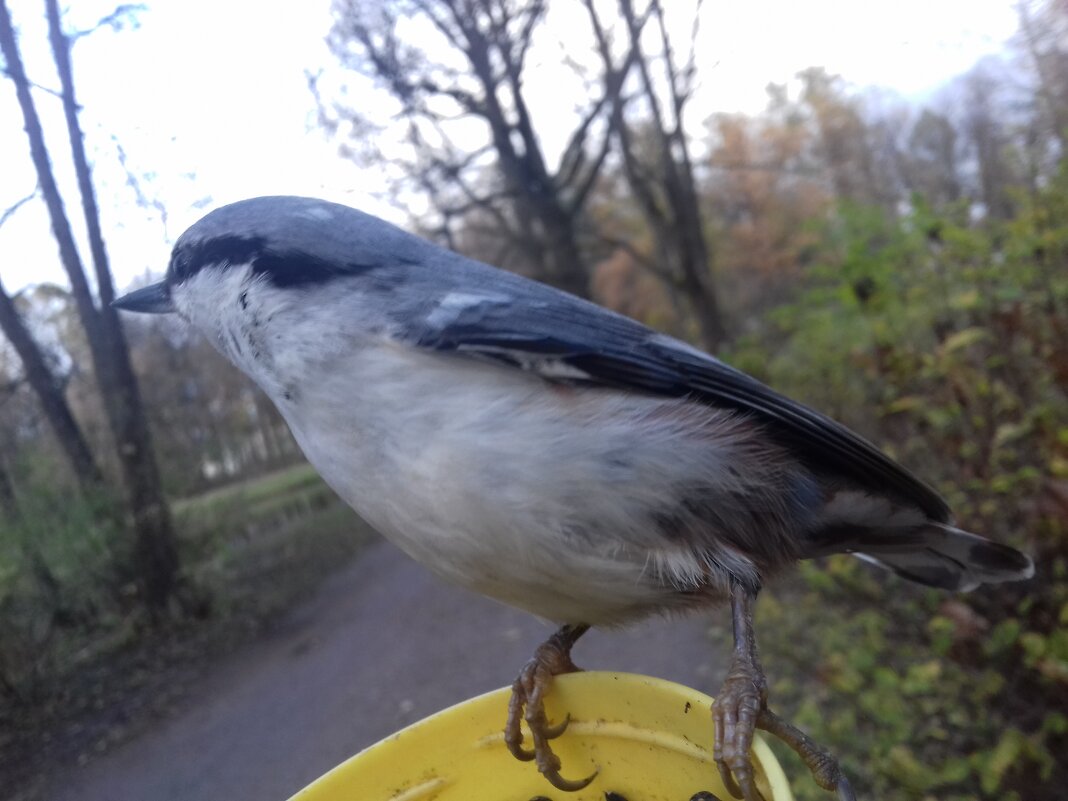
(209, 101)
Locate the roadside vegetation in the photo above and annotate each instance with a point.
(900, 266)
(945, 343)
(82, 667)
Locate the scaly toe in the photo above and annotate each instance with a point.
(519, 752)
(826, 771)
(734, 714)
(568, 785)
(742, 771)
(528, 703)
(513, 734)
(845, 790)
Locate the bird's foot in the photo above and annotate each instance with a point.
(742, 706)
(740, 709)
(552, 658)
(735, 713)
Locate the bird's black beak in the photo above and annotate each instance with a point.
(151, 299)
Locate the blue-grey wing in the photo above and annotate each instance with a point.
(532, 327)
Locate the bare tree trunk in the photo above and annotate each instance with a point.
(665, 191)
(534, 209)
(691, 245)
(524, 168)
(129, 423)
(156, 553)
(50, 394)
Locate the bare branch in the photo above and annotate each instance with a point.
(157, 556)
(664, 184)
(468, 101)
(440, 22)
(489, 204)
(689, 69)
(571, 161)
(526, 36)
(54, 92)
(116, 20)
(9, 212)
(582, 193)
(614, 79)
(134, 182)
(490, 40)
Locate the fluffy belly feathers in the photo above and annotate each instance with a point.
(553, 499)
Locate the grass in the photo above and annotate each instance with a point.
(258, 498)
(249, 551)
(253, 546)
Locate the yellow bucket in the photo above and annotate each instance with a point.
(649, 740)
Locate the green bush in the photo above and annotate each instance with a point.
(946, 343)
(67, 588)
(58, 580)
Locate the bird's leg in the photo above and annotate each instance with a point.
(742, 706)
(739, 703)
(552, 658)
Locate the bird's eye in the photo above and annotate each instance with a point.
(178, 269)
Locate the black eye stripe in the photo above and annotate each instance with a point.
(189, 259)
(295, 268)
(283, 268)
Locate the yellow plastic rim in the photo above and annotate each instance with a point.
(648, 740)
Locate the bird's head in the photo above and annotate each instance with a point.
(265, 279)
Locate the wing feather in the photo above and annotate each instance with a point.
(563, 338)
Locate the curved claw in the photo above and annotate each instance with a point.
(739, 779)
(748, 784)
(519, 752)
(552, 732)
(527, 703)
(728, 779)
(514, 739)
(513, 734)
(568, 785)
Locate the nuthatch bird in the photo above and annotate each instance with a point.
(547, 452)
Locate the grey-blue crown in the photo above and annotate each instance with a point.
(291, 241)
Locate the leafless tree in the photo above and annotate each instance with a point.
(49, 390)
(508, 182)
(156, 554)
(656, 154)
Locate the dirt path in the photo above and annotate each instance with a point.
(382, 644)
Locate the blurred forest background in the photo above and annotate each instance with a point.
(901, 267)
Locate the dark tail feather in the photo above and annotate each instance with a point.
(940, 555)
